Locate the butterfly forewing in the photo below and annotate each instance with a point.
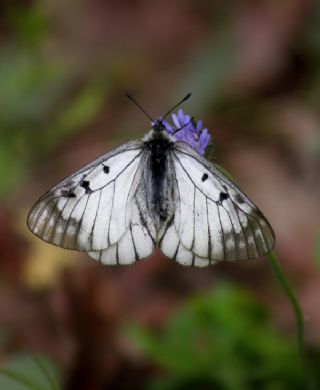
(90, 210)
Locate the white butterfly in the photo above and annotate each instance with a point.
(152, 192)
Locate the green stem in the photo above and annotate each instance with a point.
(297, 313)
(293, 300)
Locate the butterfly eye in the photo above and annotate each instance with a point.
(159, 126)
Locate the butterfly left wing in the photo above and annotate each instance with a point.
(90, 210)
(139, 239)
(214, 219)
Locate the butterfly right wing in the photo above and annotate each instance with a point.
(214, 220)
(224, 223)
(89, 210)
(170, 241)
(171, 246)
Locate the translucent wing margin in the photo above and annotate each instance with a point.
(81, 212)
(214, 219)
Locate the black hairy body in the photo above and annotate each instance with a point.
(159, 146)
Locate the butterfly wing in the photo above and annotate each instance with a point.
(91, 209)
(139, 239)
(214, 219)
(171, 245)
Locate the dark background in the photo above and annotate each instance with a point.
(254, 70)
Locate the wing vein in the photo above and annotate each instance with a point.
(254, 236)
(53, 232)
(209, 234)
(69, 219)
(222, 235)
(199, 189)
(194, 219)
(99, 162)
(176, 252)
(225, 180)
(117, 254)
(114, 190)
(111, 181)
(261, 231)
(94, 221)
(80, 222)
(243, 230)
(44, 227)
(134, 177)
(233, 231)
(134, 245)
(145, 224)
(40, 212)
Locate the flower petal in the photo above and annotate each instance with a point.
(176, 121)
(187, 130)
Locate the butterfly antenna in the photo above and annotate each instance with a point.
(141, 108)
(177, 105)
(186, 124)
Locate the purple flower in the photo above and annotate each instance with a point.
(187, 130)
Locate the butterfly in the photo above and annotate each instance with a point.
(155, 192)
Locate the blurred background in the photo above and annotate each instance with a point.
(253, 68)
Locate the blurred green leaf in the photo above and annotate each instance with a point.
(83, 108)
(29, 372)
(207, 70)
(28, 21)
(222, 340)
(36, 110)
(31, 84)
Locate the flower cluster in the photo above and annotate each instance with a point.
(187, 130)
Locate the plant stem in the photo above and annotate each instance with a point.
(292, 298)
(297, 313)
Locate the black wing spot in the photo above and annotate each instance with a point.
(223, 196)
(106, 169)
(204, 177)
(86, 185)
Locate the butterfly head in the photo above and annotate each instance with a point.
(159, 126)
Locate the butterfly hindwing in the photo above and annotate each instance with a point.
(139, 239)
(89, 210)
(214, 219)
(171, 245)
